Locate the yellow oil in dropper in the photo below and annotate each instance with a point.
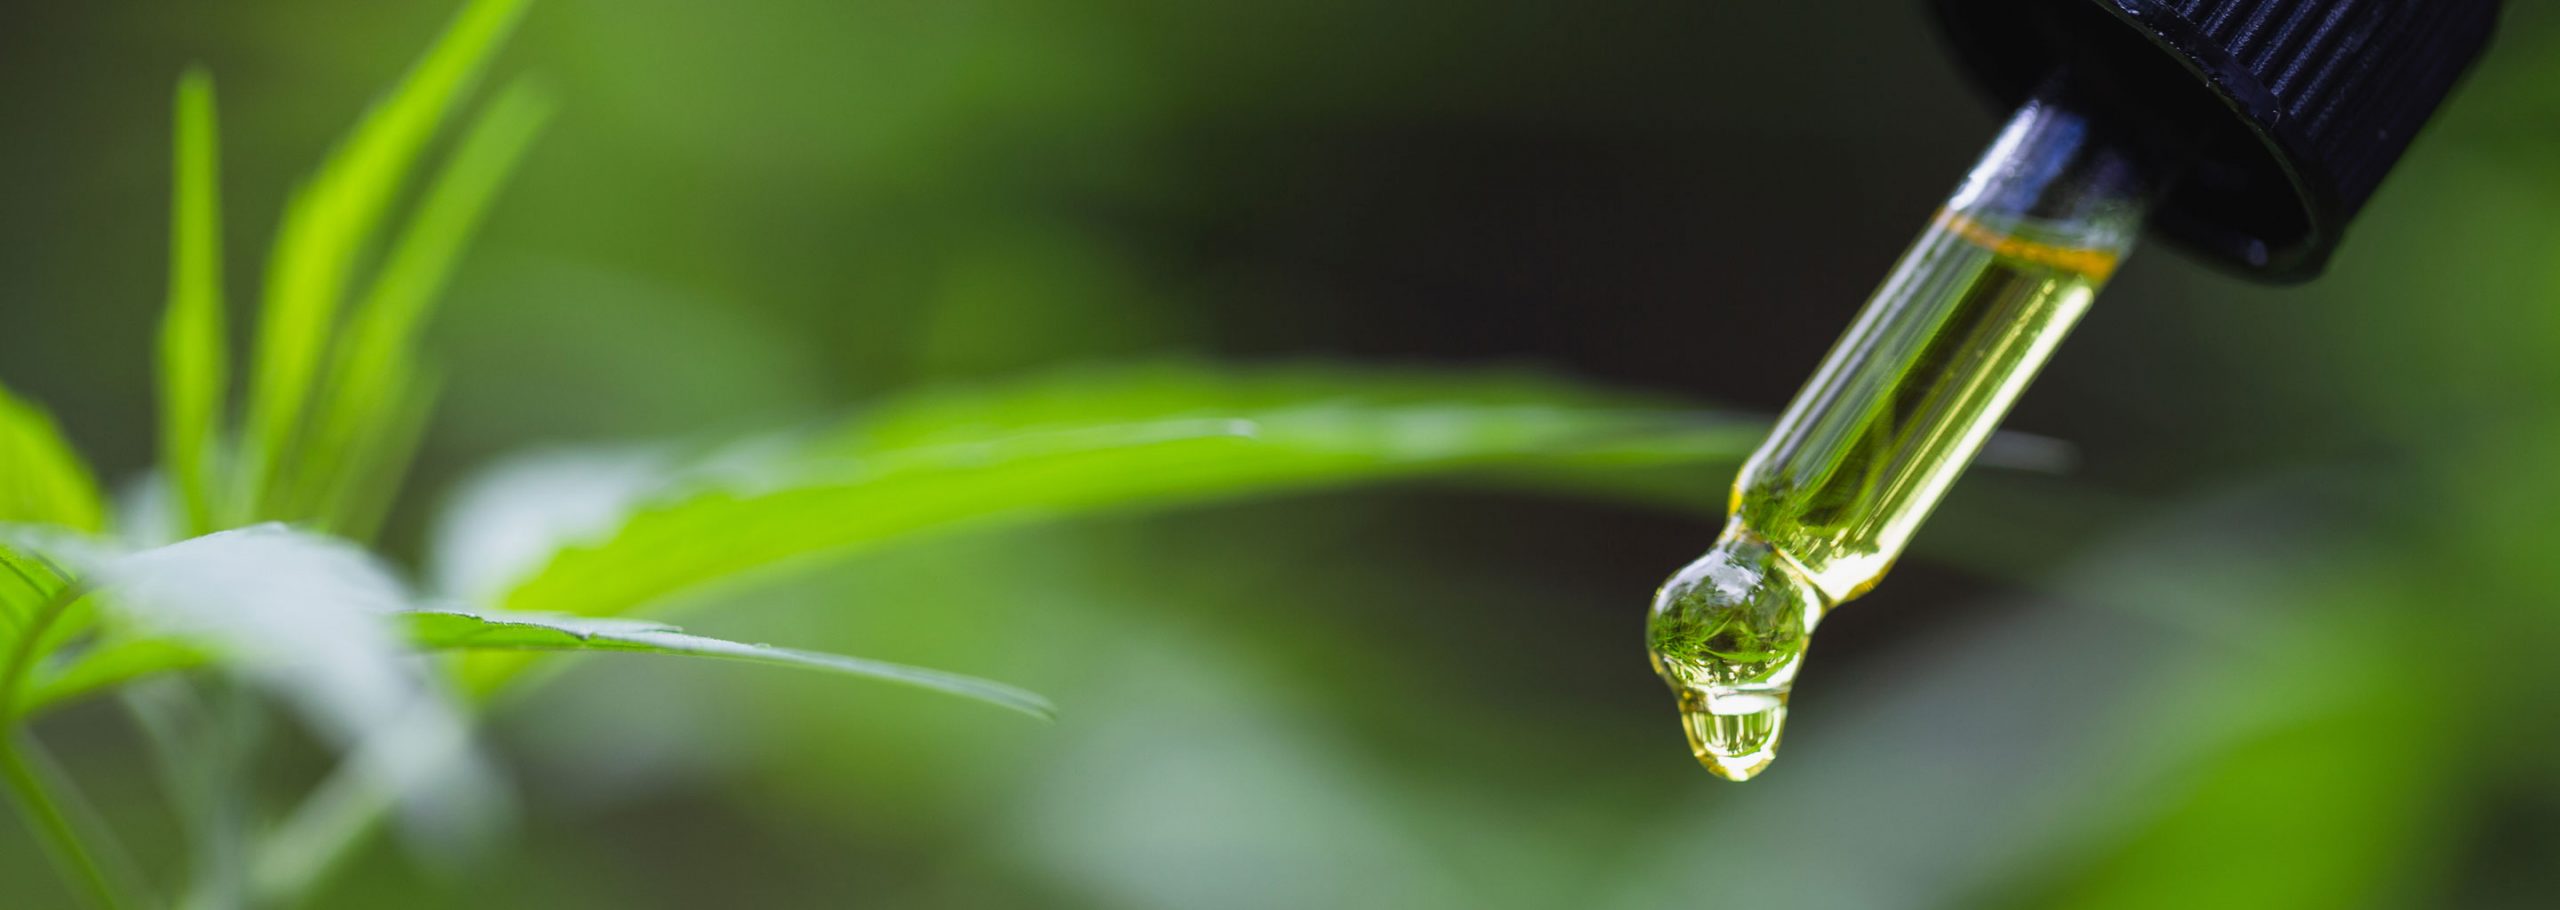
(1890, 419)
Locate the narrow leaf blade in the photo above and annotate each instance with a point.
(330, 224)
(107, 666)
(193, 356)
(532, 632)
(42, 479)
(1148, 438)
(376, 360)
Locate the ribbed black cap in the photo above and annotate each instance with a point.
(2303, 106)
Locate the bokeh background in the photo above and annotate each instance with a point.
(2285, 637)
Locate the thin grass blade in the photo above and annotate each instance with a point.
(330, 225)
(126, 660)
(1050, 450)
(42, 479)
(106, 666)
(193, 357)
(533, 632)
(347, 443)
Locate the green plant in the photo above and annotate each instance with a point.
(251, 561)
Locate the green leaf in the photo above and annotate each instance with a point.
(106, 666)
(193, 360)
(1048, 450)
(42, 480)
(299, 612)
(533, 632)
(24, 584)
(351, 440)
(39, 600)
(1104, 396)
(127, 659)
(329, 226)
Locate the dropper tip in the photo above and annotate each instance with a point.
(1737, 768)
(1728, 634)
(1736, 747)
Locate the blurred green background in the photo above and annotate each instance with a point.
(2285, 637)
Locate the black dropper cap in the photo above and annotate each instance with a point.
(2300, 106)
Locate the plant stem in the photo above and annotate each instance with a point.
(62, 840)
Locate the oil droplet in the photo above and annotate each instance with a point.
(1734, 746)
(1728, 634)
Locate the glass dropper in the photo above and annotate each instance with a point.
(1895, 412)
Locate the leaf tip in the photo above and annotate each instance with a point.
(195, 85)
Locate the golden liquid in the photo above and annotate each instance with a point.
(1865, 451)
